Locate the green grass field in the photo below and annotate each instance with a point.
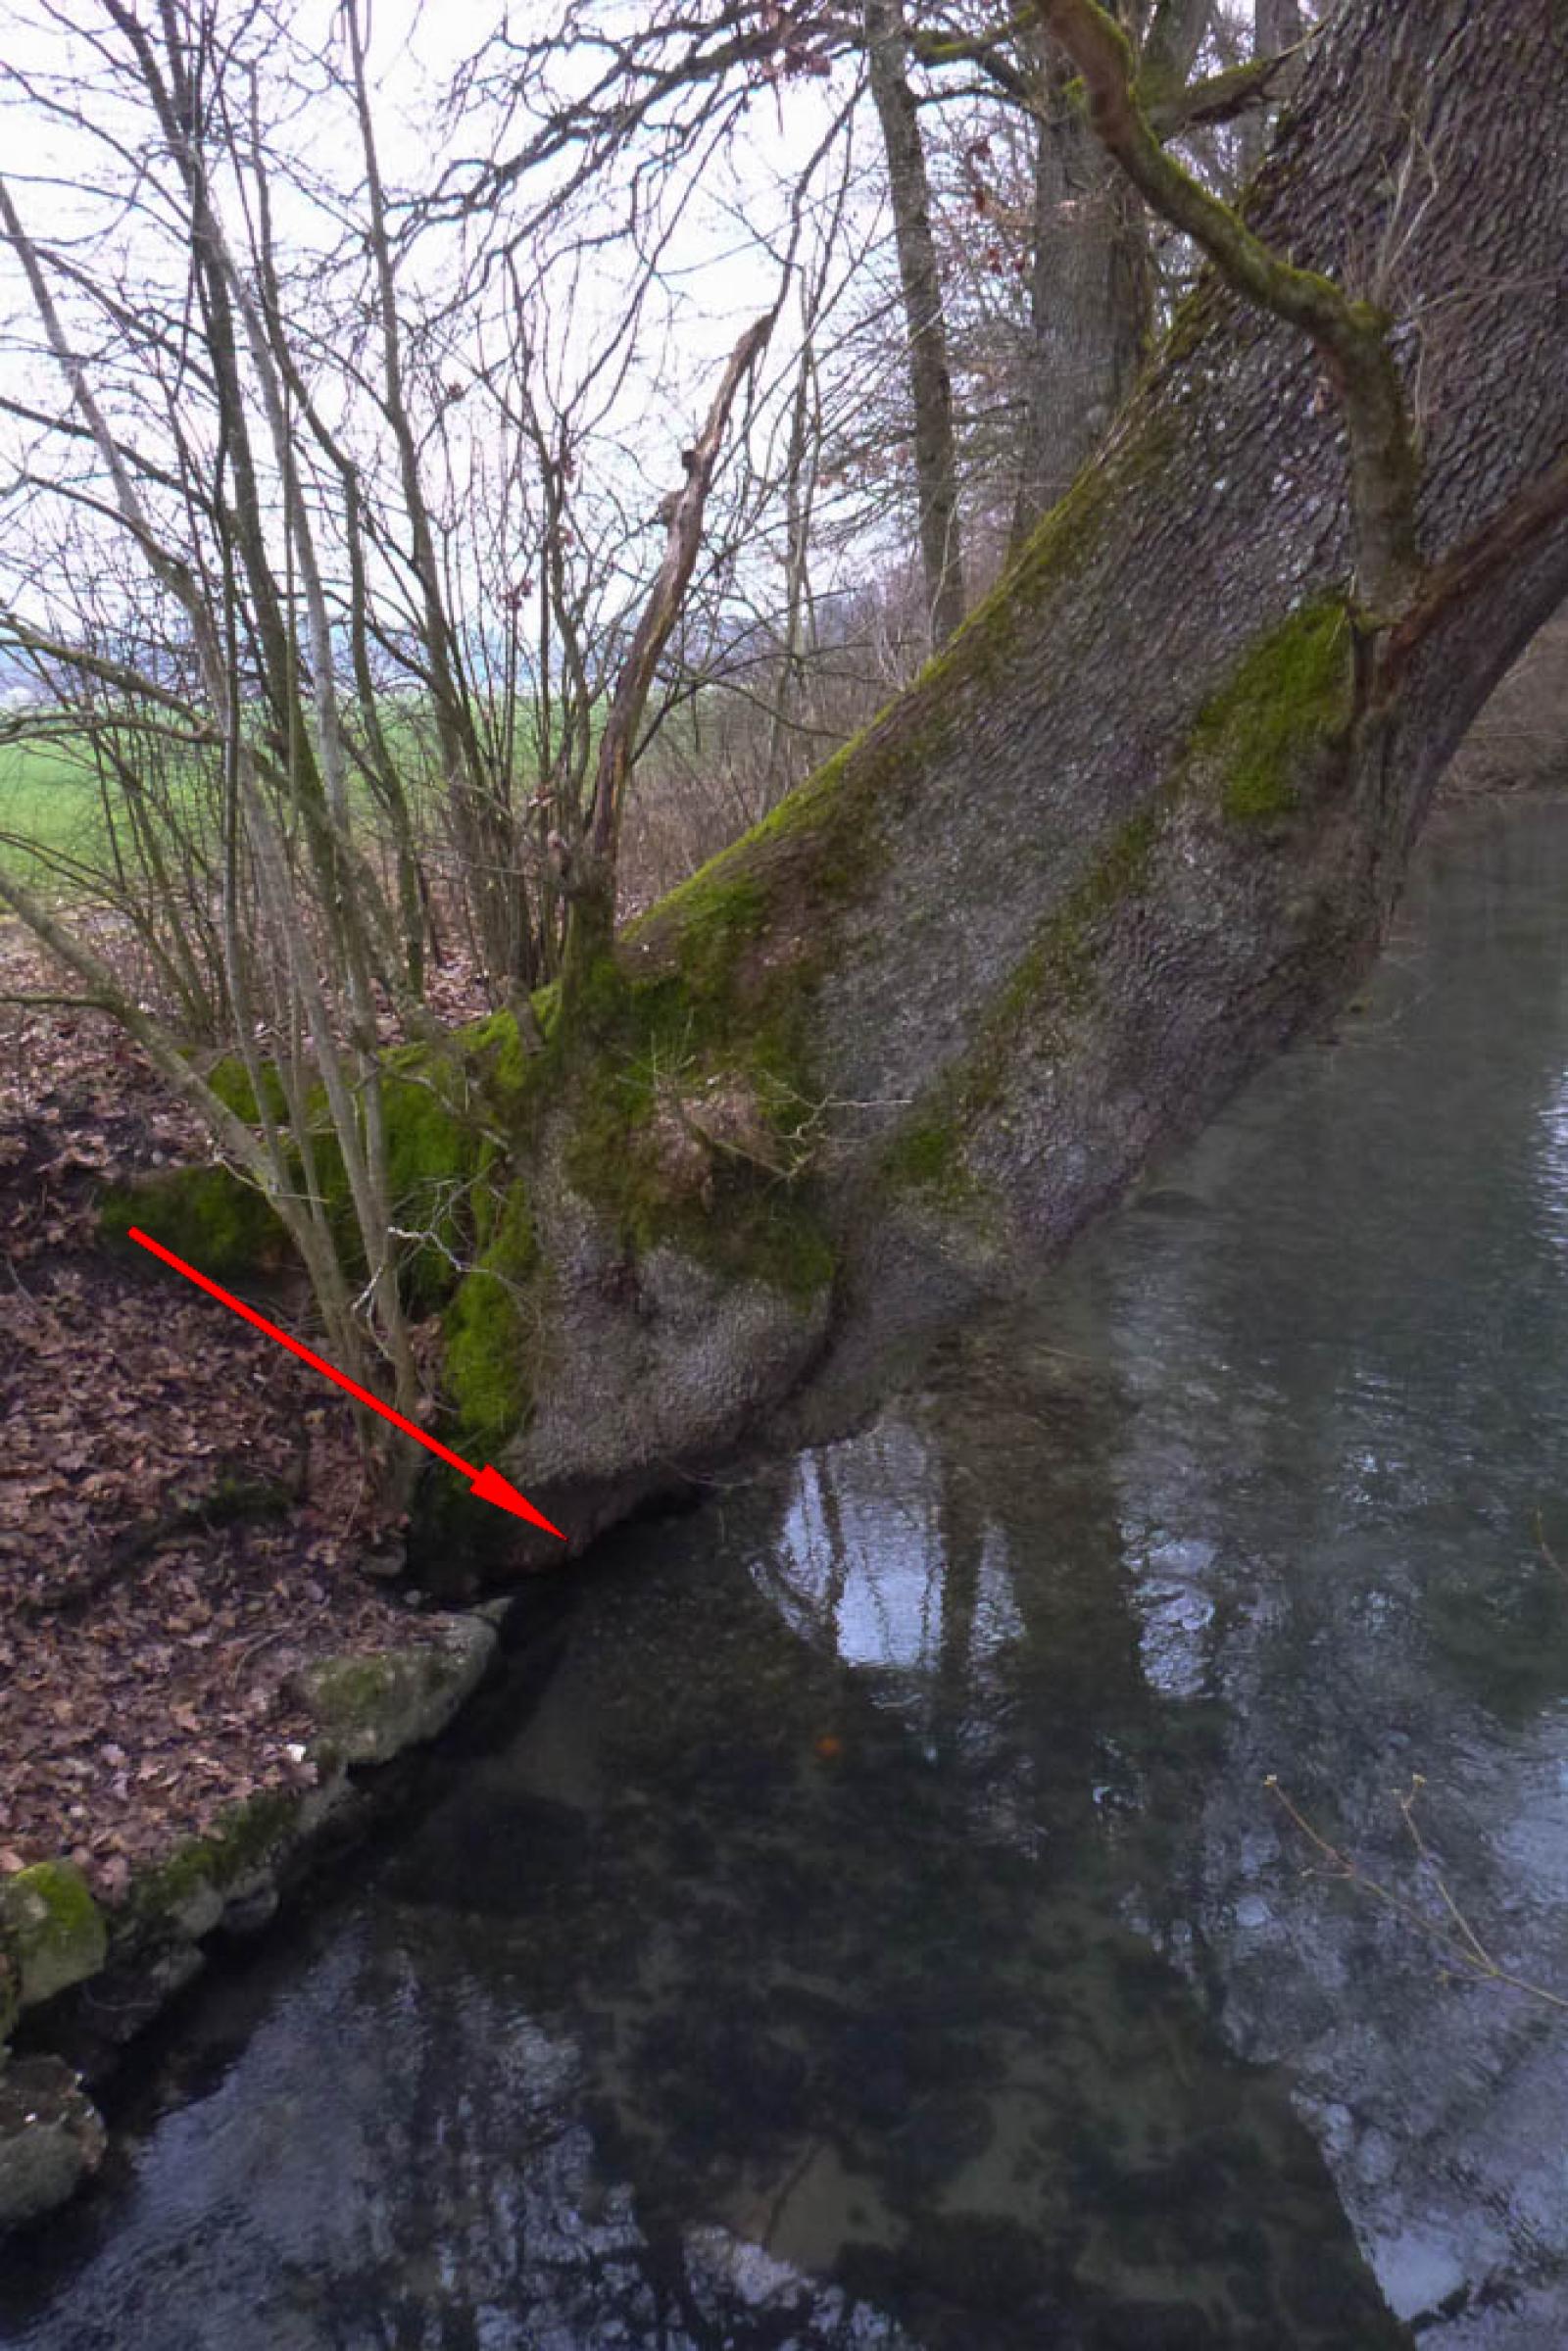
(52, 811)
(50, 804)
(52, 808)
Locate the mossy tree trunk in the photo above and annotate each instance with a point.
(1140, 824)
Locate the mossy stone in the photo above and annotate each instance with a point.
(51, 2139)
(189, 1891)
(54, 1931)
(231, 1081)
(441, 1106)
(207, 1214)
(10, 1998)
(372, 1707)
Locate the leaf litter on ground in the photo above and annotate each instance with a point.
(149, 1635)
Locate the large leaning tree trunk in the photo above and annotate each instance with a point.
(1140, 824)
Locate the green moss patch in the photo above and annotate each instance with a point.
(752, 921)
(186, 1891)
(679, 1091)
(372, 1707)
(1058, 973)
(1289, 696)
(432, 1159)
(231, 1081)
(52, 1931)
(442, 1112)
(690, 1128)
(926, 1154)
(1259, 746)
(207, 1214)
(719, 920)
(493, 1330)
(740, 1218)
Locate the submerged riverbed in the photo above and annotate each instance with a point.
(863, 1918)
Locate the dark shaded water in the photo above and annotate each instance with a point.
(879, 1933)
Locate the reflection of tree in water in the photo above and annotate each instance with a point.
(1342, 1323)
(751, 1997)
(820, 1934)
(396, 2160)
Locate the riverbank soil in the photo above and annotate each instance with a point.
(181, 1522)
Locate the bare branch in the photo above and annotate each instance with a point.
(662, 608)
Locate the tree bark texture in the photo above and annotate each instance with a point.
(1142, 824)
(935, 462)
(1278, 26)
(1090, 298)
(1091, 282)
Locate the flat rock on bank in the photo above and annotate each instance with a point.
(56, 1938)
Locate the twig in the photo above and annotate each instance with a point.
(1546, 1552)
(67, 1003)
(1458, 1942)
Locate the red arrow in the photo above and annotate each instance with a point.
(488, 1484)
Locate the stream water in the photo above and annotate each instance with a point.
(864, 1919)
